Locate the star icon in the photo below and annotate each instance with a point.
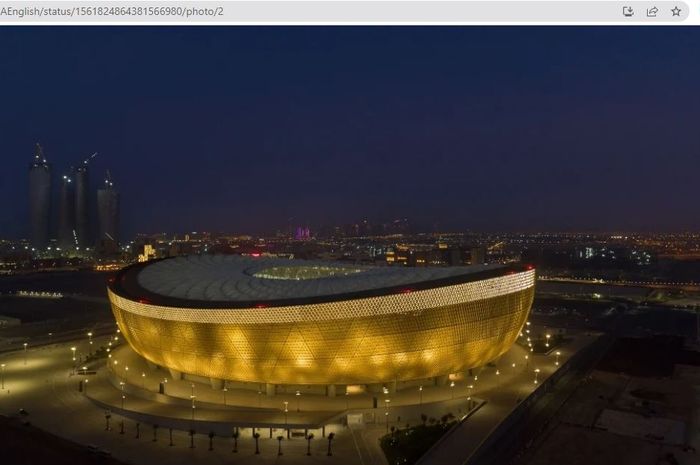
(676, 11)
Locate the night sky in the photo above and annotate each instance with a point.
(241, 129)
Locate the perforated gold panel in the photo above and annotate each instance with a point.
(372, 340)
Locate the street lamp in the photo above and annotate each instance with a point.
(452, 391)
(192, 397)
(85, 386)
(90, 341)
(73, 350)
(122, 383)
(557, 361)
(537, 372)
(225, 391)
(143, 380)
(347, 400)
(527, 362)
(547, 343)
(2, 375)
(25, 353)
(386, 414)
(286, 410)
(420, 394)
(126, 373)
(298, 394)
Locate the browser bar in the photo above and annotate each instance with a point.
(343, 12)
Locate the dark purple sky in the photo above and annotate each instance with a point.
(239, 129)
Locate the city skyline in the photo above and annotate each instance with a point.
(516, 130)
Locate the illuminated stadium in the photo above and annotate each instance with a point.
(292, 322)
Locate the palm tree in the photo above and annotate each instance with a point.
(211, 440)
(256, 436)
(155, 432)
(279, 445)
(331, 436)
(235, 440)
(423, 418)
(309, 437)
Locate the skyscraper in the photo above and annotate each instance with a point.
(39, 199)
(108, 213)
(82, 204)
(66, 212)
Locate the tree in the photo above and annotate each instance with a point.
(235, 440)
(211, 440)
(432, 420)
(331, 436)
(309, 437)
(279, 445)
(423, 418)
(256, 436)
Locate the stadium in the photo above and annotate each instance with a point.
(291, 322)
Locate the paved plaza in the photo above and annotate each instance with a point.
(43, 382)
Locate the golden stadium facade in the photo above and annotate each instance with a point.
(297, 322)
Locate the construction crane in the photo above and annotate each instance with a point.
(87, 160)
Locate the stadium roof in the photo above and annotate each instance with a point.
(240, 281)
